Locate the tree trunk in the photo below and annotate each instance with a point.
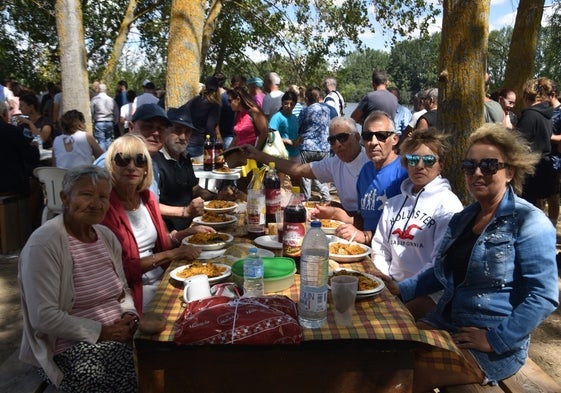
(70, 31)
(120, 41)
(520, 65)
(461, 87)
(184, 51)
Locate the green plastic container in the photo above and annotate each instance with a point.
(278, 273)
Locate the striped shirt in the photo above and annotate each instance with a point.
(97, 287)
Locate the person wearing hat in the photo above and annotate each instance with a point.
(148, 97)
(204, 111)
(255, 87)
(179, 187)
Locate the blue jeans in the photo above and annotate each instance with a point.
(103, 133)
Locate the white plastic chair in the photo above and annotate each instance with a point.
(51, 177)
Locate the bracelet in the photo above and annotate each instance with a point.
(184, 211)
(154, 259)
(366, 240)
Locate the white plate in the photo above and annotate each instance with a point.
(220, 209)
(260, 251)
(350, 258)
(232, 170)
(211, 254)
(174, 273)
(210, 246)
(330, 230)
(268, 241)
(231, 220)
(366, 293)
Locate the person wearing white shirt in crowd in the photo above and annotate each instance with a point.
(272, 101)
(332, 97)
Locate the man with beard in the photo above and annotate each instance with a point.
(177, 183)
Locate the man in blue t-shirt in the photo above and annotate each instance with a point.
(379, 179)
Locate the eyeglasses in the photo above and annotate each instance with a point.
(428, 159)
(140, 160)
(342, 137)
(488, 166)
(381, 136)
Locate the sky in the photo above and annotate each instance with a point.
(503, 13)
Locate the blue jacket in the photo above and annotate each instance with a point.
(510, 285)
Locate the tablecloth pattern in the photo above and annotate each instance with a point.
(382, 317)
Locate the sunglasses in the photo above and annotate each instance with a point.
(139, 160)
(428, 159)
(381, 136)
(341, 138)
(488, 166)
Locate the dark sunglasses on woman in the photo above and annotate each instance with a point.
(414, 159)
(488, 166)
(122, 160)
(381, 136)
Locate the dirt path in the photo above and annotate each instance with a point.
(545, 348)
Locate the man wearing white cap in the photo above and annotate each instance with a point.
(148, 97)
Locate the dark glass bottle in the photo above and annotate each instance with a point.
(208, 154)
(294, 226)
(272, 193)
(218, 156)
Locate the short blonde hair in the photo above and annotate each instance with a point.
(129, 145)
(517, 151)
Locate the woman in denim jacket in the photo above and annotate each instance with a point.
(496, 265)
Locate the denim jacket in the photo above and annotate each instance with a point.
(510, 285)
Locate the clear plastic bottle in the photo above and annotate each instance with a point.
(294, 227)
(253, 272)
(314, 263)
(255, 207)
(208, 154)
(272, 193)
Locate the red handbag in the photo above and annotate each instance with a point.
(248, 321)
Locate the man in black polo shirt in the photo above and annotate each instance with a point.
(178, 184)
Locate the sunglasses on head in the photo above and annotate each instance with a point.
(488, 166)
(341, 138)
(122, 160)
(414, 159)
(381, 136)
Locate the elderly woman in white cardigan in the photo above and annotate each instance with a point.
(78, 315)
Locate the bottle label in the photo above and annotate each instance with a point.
(293, 237)
(313, 299)
(272, 200)
(255, 209)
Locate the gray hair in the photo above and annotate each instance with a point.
(377, 115)
(273, 77)
(344, 121)
(75, 174)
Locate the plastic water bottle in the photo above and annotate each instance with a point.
(253, 272)
(314, 263)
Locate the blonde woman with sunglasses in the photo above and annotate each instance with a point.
(414, 222)
(134, 216)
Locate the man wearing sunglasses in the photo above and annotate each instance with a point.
(341, 169)
(379, 179)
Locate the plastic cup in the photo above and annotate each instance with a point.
(343, 291)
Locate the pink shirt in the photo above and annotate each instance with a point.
(97, 287)
(244, 129)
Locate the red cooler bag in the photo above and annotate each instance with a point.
(247, 321)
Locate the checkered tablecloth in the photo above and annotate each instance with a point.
(382, 317)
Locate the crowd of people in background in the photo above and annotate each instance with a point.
(384, 160)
